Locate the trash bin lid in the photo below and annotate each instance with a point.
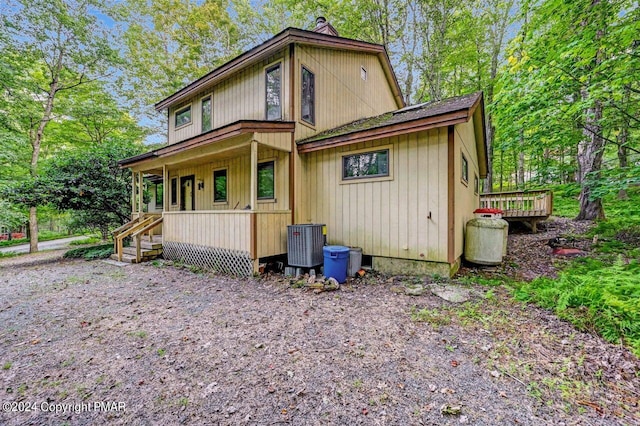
(335, 249)
(488, 211)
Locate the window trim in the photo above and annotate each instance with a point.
(311, 123)
(265, 199)
(367, 179)
(213, 176)
(464, 162)
(476, 186)
(202, 99)
(174, 191)
(268, 68)
(179, 110)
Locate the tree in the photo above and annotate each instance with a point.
(91, 184)
(169, 43)
(67, 48)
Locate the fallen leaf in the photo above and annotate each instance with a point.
(454, 363)
(450, 409)
(365, 411)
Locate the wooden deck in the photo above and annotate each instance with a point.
(528, 207)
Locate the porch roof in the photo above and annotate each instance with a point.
(211, 137)
(415, 118)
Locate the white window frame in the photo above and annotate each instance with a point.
(188, 106)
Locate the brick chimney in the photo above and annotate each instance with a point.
(322, 26)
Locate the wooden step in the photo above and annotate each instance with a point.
(125, 258)
(155, 245)
(143, 252)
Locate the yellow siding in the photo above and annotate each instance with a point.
(238, 182)
(384, 217)
(230, 230)
(341, 94)
(281, 141)
(466, 199)
(271, 228)
(240, 97)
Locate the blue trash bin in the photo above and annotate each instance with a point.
(336, 259)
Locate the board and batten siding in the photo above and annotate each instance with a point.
(238, 182)
(467, 199)
(402, 217)
(229, 230)
(341, 94)
(239, 97)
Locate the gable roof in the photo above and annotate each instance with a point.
(278, 42)
(415, 118)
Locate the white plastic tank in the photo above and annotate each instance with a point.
(486, 237)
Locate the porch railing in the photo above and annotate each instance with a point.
(520, 204)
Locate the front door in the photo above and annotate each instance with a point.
(187, 200)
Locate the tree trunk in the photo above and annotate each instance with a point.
(590, 150)
(33, 230)
(488, 182)
(520, 183)
(623, 159)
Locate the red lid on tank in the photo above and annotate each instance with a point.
(490, 211)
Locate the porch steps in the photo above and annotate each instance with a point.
(148, 250)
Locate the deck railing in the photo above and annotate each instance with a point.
(520, 204)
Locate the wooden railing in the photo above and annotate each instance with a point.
(148, 229)
(528, 207)
(136, 227)
(520, 204)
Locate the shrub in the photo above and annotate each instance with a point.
(101, 251)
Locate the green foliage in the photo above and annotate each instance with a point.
(88, 240)
(596, 296)
(92, 184)
(102, 251)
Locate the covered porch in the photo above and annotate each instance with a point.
(226, 199)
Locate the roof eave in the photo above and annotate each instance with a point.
(277, 42)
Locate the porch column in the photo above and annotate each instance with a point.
(140, 193)
(254, 175)
(133, 193)
(165, 187)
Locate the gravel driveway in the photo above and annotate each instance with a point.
(145, 344)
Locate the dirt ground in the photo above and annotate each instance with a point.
(86, 343)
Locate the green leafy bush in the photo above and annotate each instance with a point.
(595, 295)
(101, 251)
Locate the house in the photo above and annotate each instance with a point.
(310, 127)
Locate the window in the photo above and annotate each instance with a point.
(465, 170)
(220, 186)
(159, 191)
(308, 96)
(476, 184)
(174, 191)
(363, 73)
(206, 114)
(265, 180)
(272, 85)
(183, 116)
(367, 164)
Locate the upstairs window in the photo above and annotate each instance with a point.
(266, 190)
(220, 186)
(308, 96)
(365, 165)
(273, 93)
(183, 116)
(206, 114)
